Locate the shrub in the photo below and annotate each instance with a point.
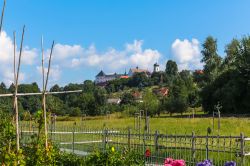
(111, 157)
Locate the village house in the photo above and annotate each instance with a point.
(132, 71)
(115, 101)
(161, 91)
(101, 78)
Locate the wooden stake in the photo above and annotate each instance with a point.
(14, 81)
(44, 91)
(15, 95)
(1, 23)
(40, 93)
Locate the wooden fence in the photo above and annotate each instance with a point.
(189, 147)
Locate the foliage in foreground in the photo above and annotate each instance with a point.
(8, 153)
(111, 157)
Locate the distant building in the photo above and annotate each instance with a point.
(132, 71)
(156, 68)
(137, 96)
(199, 71)
(114, 101)
(161, 91)
(101, 78)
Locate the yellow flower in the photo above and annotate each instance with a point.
(113, 149)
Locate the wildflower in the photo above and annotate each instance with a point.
(230, 163)
(172, 162)
(205, 163)
(147, 153)
(168, 161)
(178, 163)
(113, 149)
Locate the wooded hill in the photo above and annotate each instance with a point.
(222, 81)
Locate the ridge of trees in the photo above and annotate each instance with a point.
(224, 81)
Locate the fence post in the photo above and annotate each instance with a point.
(207, 150)
(156, 140)
(105, 132)
(73, 138)
(21, 131)
(129, 137)
(242, 150)
(156, 144)
(193, 146)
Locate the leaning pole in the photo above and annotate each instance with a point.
(15, 94)
(1, 23)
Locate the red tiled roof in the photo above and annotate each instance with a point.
(199, 71)
(124, 77)
(164, 91)
(136, 94)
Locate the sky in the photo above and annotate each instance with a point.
(115, 35)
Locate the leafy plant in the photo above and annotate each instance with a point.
(111, 157)
(8, 153)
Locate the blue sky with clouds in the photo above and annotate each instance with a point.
(115, 35)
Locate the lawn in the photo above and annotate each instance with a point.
(165, 125)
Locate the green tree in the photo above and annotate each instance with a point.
(231, 88)
(157, 78)
(211, 59)
(171, 72)
(171, 68)
(177, 101)
(127, 98)
(150, 103)
(88, 86)
(55, 105)
(55, 88)
(139, 80)
(232, 51)
(30, 103)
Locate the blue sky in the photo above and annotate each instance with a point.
(115, 35)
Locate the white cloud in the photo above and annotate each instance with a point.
(135, 47)
(8, 76)
(68, 57)
(113, 60)
(54, 75)
(29, 56)
(187, 54)
(6, 58)
(62, 52)
(6, 48)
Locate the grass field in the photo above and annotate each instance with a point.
(165, 125)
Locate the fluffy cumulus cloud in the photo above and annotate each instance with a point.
(111, 60)
(71, 57)
(54, 75)
(6, 58)
(66, 52)
(187, 54)
(132, 55)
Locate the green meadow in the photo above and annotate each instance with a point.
(165, 124)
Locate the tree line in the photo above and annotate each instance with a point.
(223, 80)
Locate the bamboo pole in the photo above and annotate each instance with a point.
(43, 99)
(40, 93)
(14, 81)
(44, 95)
(1, 23)
(15, 95)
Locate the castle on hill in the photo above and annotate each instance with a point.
(101, 78)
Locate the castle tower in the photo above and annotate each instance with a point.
(156, 67)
